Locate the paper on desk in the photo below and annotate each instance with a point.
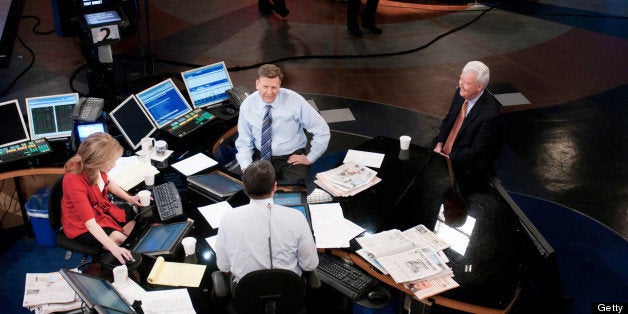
(212, 242)
(364, 158)
(213, 213)
(129, 172)
(331, 229)
(176, 274)
(44, 288)
(194, 164)
(154, 156)
(167, 301)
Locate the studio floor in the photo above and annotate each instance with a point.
(560, 67)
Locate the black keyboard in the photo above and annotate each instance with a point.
(343, 277)
(189, 122)
(168, 201)
(24, 150)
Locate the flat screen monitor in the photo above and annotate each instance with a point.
(98, 294)
(51, 116)
(13, 129)
(163, 239)
(102, 18)
(207, 85)
(87, 129)
(288, 198)
(132, 121)
(163, 102)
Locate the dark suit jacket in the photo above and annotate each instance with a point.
(480, 139)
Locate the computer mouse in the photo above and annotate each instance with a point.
(375, 296)
(134, 261)
(227, 110)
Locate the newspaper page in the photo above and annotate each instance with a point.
(423, 237)
(411, 265)
(386, 243)
(350, 175)
(44, 288)
(369, 257)
(429, 287)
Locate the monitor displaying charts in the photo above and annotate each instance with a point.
(132, 121)
(163, 102)
(13, 129)
(51, 116)
(207, 85)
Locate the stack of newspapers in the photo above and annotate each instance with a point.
(347, 180)
(413, 258)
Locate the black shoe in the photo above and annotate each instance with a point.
(355, 31)
(265, 10)
(373, 29)
(283, 13)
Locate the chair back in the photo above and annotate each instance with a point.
(270, 291)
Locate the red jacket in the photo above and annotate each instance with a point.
(82, 202)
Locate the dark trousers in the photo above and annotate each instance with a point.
(287, 173)
(277, 5)
(368, 16)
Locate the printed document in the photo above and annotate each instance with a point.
(167, 301)
(129, 172)
(364, 158)
(213, 213)
(194, 164)
(331, 229)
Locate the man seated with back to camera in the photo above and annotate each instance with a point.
(271, 126)
(247, 232)
(471, 133)
(87, 214)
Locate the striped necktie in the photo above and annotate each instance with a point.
(454, 130)
(265, 151)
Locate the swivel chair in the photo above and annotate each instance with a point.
(54, 214)
(267, 290)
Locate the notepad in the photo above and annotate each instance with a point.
(215, 183)
(176, 274)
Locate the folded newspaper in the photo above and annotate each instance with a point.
(413, 257)
(347, 179)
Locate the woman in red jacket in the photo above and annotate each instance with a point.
(87, 215)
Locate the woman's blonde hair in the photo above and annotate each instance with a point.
(94, 152)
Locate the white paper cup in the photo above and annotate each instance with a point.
(149, 179)
(161, 147)
(404, 142)
(120, 274)
(144, 197)
(189, 245)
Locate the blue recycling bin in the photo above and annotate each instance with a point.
(37, 210)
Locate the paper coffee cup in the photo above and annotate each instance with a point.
(404, 142)
(189, 245)
(144, 197)
(149, 179)
(120, 274)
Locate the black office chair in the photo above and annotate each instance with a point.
(267, 290)
(54, 214)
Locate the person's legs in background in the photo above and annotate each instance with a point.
(353, 12)
(368, 17)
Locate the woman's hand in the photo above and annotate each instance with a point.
(121, 254)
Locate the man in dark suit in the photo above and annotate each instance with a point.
(471, 133)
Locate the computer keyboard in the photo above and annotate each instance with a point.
(24, 150)
(189, 122)
(168, 201)
(343, 277)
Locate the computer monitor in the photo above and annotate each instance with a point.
(132, 121)
(207, 85)
(87, 129)
(13, 126)
(51, 116)
(97, 294)
(102, 18)
(163, 102)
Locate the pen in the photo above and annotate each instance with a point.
(183, 155)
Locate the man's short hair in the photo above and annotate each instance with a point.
(259, 178)
(269, 71)
(480, 69)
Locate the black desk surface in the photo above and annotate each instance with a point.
(486, 250)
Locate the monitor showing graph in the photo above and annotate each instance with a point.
(51, 116)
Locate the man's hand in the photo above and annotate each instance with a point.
(299, 160)
(439, 149)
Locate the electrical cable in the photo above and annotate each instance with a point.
(37, 24)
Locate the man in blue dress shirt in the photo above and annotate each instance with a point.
(289, 114)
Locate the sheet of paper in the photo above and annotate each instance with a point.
(194, 164)
(129, 172)
(154, 156)
(212, 242)
(176, 274)
(213, 213)
(331, 229)
(43, 288)
(364, 158)
(167, 301)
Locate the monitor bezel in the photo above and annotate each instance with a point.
(121, 129)
(16, 103)
(70, 277)
(167, 81)
(58, 134)
(187, 87)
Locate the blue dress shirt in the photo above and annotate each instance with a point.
(291, 114)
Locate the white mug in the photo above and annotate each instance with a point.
(144, 197)
(147, 144)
